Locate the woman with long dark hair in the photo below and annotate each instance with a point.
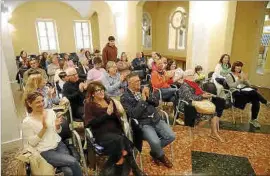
(102, 116)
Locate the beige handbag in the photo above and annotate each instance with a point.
(39, 166)
(204, 107)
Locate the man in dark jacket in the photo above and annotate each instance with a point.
(73, 89)
(109, 52)
(140, 105)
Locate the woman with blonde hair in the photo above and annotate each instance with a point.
(123, 65)
(37, 83)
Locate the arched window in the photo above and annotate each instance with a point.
(147, 31)
(177, 29)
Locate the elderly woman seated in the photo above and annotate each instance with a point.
(36, 82)
(113, 81)
(40, 131)
(103, 117)
(123, 65)
(190, 91)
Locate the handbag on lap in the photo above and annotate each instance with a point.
(204, 107)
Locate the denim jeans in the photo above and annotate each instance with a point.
(158, 136)
(60, 157)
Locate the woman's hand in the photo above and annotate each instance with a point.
(58, 121)
(110, 108)
(145, 93)
(44, 117)
(207, 95)
(51, 92)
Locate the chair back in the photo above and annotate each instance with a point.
(210, 88)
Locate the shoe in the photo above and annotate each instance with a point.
(155, 159)
(255, 123)
(135, 168)
(166, 161)
(180, 122)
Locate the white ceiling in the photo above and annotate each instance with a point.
(83, 7)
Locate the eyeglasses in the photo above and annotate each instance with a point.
(99, 90)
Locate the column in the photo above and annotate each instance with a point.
(210, 32)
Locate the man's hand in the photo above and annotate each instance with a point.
(145, 93)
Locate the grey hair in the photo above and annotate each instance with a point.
(109, 65)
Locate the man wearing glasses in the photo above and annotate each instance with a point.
(74, 89)
(140, 105)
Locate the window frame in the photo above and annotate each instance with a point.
(177, 30)
(47, 37)
(148, 48)
(90, 35)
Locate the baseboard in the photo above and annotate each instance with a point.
(10, 145)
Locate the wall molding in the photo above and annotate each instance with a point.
(10, 145)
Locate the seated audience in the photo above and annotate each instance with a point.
(43, 61)
(113, 81)
(68, 62)
(199, 77)
(34, 66)
(90, 63)
(139, 63)
(24, 61)
(83, 69)
(81, 55)
(53, 67)
(102, 116)
(59, 70)
(222, 69)
(40, 130)
(245, 93)
(178, 72)
(190, 91)
(165, 62)
(151, 60)
(62, 80)
(96, 73)
(154, 65)
(74, 89)
(162, 79)
(123, 65)
(37, 83)
(141, 105)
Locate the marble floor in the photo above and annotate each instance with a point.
(245, 152)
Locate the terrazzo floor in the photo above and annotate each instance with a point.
(245, 152)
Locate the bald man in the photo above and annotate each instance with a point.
(74, 89)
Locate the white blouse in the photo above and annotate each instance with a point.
(31, 127)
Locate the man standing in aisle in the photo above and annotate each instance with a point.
(109, 52)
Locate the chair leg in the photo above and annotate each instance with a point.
(79, 143)
(233, 115)
(141, 163)
(172, 154)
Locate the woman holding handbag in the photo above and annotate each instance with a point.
(40, 131)
(192, 93)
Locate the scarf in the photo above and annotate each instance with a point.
(198, 90)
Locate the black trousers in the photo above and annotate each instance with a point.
(114, 144)
(243, 97)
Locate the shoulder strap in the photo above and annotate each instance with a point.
(232, 77)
